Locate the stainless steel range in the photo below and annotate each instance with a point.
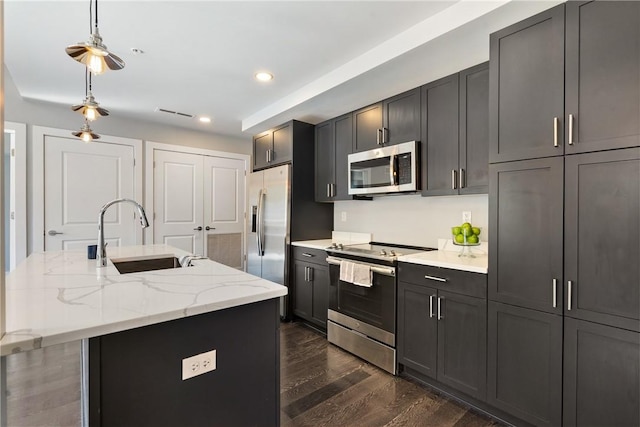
(362, 299)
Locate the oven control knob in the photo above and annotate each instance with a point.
(392, 252)
(339, 246)
(383, 252)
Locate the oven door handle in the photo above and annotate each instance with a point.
(385, 271)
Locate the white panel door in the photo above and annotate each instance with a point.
(177, 200)
(223, 194)
(224, 204)
(78, 180)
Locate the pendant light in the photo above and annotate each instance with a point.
(90, 109)
(94, 53)
(85, 133)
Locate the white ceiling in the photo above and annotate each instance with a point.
(328, 57)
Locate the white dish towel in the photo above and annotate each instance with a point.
(358, 274)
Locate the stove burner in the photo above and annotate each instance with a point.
(376, 250)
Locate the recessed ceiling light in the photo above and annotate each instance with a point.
(204, 119)
(263, 76)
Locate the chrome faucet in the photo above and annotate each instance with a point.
(101, 255)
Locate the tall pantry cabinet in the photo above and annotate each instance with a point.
(564, 276)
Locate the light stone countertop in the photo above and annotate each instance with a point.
(61, 296)
(449, 259)
(313, 244)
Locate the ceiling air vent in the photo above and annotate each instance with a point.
(175, 113)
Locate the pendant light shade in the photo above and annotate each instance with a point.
(86, 134)
(93, 53)
(90, 109)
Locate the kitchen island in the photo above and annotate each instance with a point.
(138, 327)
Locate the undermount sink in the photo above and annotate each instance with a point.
(139, 264)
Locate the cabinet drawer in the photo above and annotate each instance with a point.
(462, 282)
(316, 256)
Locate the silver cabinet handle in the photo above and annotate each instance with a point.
(54, 232)
(333, 190)
(197, 229)
(440, 316)
(267, 154)
(306, 274)
(385, 135)
(454, 180)
(570, 129)
(431, 297)
(463, 179)
(556, 123)
(209, 228)
(328, 190)
(438, 279)
(308, 255)
(311, 274)
(378, 136)
(555, 288)
(569, 286)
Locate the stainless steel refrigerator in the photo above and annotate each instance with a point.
(268, 228)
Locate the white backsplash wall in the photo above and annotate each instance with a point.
(411, 219)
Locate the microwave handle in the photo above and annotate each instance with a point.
(393, 170)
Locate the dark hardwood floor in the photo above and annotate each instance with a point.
(321, 385)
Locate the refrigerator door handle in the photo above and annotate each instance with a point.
(260, 231)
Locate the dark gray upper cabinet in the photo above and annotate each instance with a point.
(367, 127)
(455, 133)
(343, 138)
(524, 363)
(527, 88)
(333, 145)
(325, 161)
(601, 375)
(401, 118)
(602, 86)
(525, 243)
(274, 147)
(602, 235)
(473, 173)
(442, 326)
(440, 137)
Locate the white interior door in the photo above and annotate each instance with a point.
(78, 180)
(224, 206)
(177, 200)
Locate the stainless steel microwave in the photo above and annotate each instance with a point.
(391, 169)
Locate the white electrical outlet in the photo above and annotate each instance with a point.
(466, 216)
(198, 364)
(343, 216)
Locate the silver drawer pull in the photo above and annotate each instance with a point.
(569, 286)
(431, 297)
(571, 141)
(555, 290)
(437, 279)
(440, 316)
(556, 122)
(307, 255)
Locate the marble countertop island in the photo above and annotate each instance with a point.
(57, 297)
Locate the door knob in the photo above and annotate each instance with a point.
(209, 228)
(54, 232)
(198, 229)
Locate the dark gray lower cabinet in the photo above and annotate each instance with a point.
(310, 286)
(601, 375)
(442, 334)
(135, 375)
(525, 363)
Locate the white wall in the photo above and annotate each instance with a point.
(46, 114)
(411, 219)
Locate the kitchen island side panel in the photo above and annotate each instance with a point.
(136, 375)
